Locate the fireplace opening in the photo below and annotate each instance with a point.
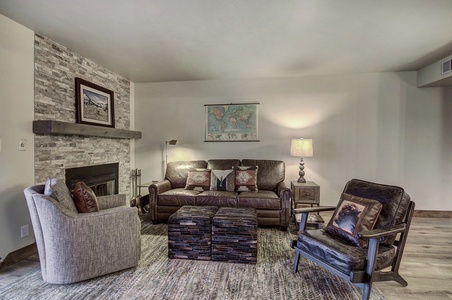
(102, 179)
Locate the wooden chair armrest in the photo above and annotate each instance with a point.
(382, 232)
(313, 209)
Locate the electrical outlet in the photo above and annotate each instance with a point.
(22, 145)
(24, 231)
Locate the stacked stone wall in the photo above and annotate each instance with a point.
(56, 67)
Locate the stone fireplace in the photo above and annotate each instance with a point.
(102, 179)
(56, 66)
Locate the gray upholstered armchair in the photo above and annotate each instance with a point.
(74, 247)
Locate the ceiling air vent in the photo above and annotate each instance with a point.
(446, 66)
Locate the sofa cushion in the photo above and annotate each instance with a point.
(177, 171)
(178, 197)
(217, 198)
(57, 189)
(353, 215)
(271, 172)
(343, 256)
(245, 178)
(84, 198)
(198, 179)
(259, 199)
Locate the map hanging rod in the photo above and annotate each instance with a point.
(246, 103)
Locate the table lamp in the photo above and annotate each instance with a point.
(301, 148)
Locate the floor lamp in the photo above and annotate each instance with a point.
(172, 143)
(301, 148)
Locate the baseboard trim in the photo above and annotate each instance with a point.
(18, 255)
(433, 213)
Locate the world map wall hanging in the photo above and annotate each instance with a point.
(232, 122)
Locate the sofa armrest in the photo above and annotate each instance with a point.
(160, 187)
(285, 194)
(283, 191)
(111, 201)
(156, 189)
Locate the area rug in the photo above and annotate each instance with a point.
(158, 277)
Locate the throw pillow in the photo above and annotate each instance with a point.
(84, 198)
(57, 189)
(222, 180)
(353, 215)
(245, 178)
(198, 180)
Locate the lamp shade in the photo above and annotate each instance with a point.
(301, 148)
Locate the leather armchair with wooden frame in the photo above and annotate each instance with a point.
(380, 258)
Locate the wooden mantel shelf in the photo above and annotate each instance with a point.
(64, 128)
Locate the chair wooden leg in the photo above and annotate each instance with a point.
(297, 259)
(400, 280)
(401, 247)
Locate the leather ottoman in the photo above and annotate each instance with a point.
(190, 232)
(234, 235)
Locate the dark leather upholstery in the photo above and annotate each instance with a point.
(339, 254)
(178, 197)
(361, 266)
(259, 199)
(394, 199)
(177, 171)
(269, 173)
(272, 201)
(217, 198)
(222, 164)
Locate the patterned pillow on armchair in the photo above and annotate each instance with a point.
(353, 215)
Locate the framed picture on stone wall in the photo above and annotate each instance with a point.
(94, 104)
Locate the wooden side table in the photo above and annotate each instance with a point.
(305, 193)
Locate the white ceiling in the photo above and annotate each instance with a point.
(172, 40)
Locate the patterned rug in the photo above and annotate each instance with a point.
(158, 277)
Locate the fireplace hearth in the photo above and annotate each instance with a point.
(102, 179)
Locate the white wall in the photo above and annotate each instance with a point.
(16, 115)
(375, 126)
(428, 147)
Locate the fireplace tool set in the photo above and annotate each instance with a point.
(135, 176)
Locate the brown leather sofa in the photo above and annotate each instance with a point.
(271, 200)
